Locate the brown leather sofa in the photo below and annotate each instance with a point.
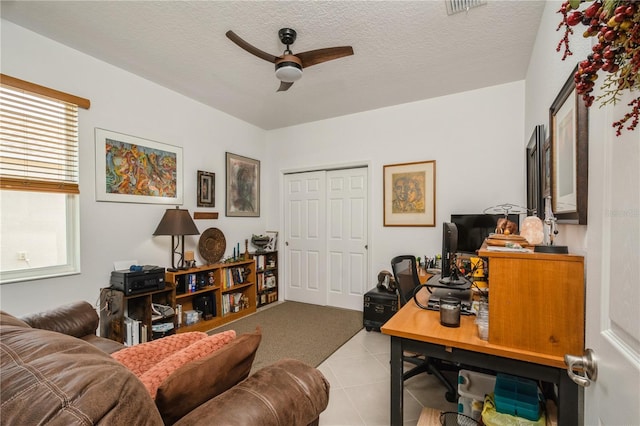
(55, 370)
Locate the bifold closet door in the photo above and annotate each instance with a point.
(326, 227)
(305, 237)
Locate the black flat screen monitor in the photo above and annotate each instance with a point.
(474, 228)
(449, 246)
(449, 274)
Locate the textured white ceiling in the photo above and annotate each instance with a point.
(404, 51)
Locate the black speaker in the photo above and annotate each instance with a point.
(206, 305)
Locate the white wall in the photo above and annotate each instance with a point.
(546, 75)
(125, 103)
(475, 137)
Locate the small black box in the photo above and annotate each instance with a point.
(379, 306)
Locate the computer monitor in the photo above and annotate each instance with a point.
(449, 274)
(473, 229)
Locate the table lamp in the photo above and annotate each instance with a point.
(177, 223)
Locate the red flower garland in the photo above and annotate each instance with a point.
(616, 24)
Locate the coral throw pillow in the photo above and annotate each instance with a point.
(155, 375)
(140, 358)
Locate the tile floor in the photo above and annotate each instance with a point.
(359, 374)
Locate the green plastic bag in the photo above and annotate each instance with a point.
(491, 417)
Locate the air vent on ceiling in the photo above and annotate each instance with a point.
(457, 6)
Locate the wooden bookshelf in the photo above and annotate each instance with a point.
(266, 277)
(229, 287)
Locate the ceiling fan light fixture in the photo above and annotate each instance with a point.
(288, 71)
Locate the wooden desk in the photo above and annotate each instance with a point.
(418, 330)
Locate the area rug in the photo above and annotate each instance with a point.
(309, 333)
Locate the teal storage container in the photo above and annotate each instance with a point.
(517, 396)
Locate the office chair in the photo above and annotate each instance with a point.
(406, 276)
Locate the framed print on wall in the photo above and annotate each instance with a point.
(545, 180)
(206, 189)
(130, 169)
(568, 118)
(409, 194)
(535, 203)
(243, 186)
(273, 240)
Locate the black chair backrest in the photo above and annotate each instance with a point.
(406, 276)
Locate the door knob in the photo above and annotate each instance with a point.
(585, 364)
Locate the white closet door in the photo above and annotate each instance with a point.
(326, 260)
(305, 238)
(347, 237)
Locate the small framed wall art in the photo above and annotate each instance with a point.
(273, 240)
(135, 170)
(243, 186)
(410, 194)
(206, 189)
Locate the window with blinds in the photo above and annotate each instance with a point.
(39, 142)
(39, 159)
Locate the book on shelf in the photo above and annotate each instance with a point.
(270, 281)
(260, 282)
(132, 331)
(260, 262)
(231, 302)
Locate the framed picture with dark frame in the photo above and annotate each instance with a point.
(545, 169)
(535, 203)
(206, 189)
(409, 194)
(243, 186)
(569, 130)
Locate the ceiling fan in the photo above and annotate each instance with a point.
(289, 66)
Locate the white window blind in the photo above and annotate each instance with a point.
(38, 138)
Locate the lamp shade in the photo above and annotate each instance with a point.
(176, 222)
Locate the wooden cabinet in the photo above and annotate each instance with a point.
(266, 277)
(536, 301)
(116, 310)
(227, 289)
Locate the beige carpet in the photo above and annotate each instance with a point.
(309, 333)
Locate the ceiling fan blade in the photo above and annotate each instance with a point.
(313, 57)
(284, 86)
(251, 49)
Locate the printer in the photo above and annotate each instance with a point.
(138, 279)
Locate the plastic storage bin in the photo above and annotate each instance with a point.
(517, 396)
(475, 385)
(472, 388)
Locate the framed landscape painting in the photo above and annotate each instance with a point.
(130, 169)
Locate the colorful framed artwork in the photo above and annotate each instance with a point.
(243, 186)
(568, 118)
(409, 195)
(206, 189)
(130, 169)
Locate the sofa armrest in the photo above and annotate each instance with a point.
(77, 319)
(287, 392)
